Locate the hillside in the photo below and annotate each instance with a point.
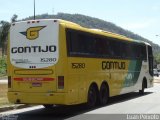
(91, 22)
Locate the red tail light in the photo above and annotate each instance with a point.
(60, 82)
(9, 81)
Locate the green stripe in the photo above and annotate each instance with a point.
(132, 76)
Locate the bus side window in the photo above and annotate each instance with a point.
(150, 58)
(100, 47)
(123, 50)
(107, 48)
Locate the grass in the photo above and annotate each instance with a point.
(3, 87)
(3, 66)
(3, 95)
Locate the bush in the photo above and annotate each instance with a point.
(3, 66)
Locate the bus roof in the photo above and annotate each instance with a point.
(99, 31)
(76, 26)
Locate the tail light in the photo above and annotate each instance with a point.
(60, 82)
(9, 81)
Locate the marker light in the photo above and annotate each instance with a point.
(60, 82)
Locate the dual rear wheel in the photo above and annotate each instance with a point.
(97, 97)
(100, 97)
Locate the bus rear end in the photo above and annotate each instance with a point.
(33, 55)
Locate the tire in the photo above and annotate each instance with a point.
(104, 95)
(48, 106)
(92, 97)
(141, 92)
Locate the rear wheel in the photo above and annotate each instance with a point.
(104, 94)
(48, 106)
(92, 97)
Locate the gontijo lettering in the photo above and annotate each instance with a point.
(33, 49)
(113, 65)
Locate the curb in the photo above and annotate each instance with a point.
(6, 108)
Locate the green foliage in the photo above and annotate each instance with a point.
(3, 66)
(4, 34)
(157, 58)
(14, 18)
(4, 30)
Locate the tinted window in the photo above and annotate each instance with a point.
(85, 44)
(150, 57)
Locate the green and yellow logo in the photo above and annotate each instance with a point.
(33, 32)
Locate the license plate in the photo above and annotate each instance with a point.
(37, 84)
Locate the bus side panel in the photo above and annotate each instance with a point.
(70, 82)
(132, 77)
(85, 71)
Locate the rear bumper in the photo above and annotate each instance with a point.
(40, 98)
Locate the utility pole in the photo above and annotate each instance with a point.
(34, 11)
(53, 10)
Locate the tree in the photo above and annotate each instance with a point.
(4, 30)
(157, 58)
(14, 18)
(4, 34)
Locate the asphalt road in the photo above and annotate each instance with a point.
(118, 107)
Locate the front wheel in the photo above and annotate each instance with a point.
(141, 92)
